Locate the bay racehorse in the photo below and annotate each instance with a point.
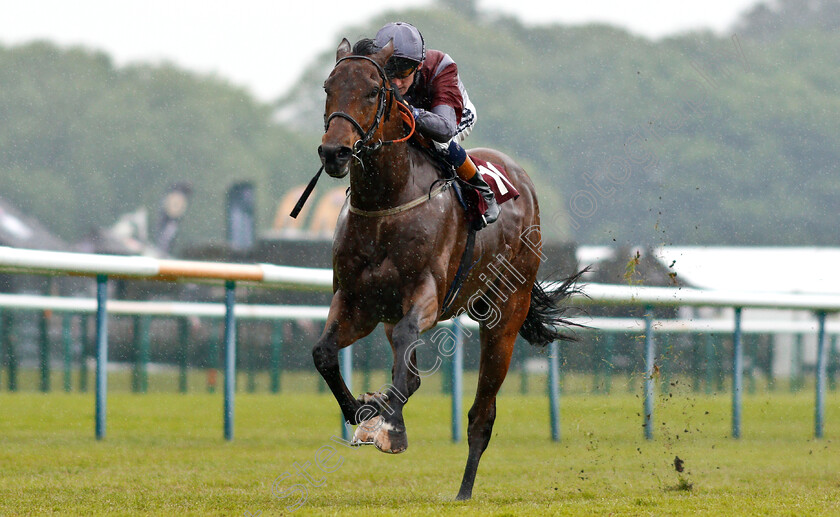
(397, 248)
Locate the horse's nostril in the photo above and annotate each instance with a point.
(335, 154)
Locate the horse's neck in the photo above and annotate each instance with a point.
(391, 176)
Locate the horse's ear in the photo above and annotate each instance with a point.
(385, 54)
(343, 49)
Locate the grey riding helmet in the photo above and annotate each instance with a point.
(408, 42)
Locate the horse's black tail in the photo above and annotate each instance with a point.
(546, 314)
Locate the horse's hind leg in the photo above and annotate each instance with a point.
(496, 350)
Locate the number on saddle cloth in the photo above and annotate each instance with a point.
(497, 177)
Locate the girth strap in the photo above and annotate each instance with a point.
(402, 208)
(463, 269)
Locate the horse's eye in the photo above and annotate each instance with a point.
(373, 93)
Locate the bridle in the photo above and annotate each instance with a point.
(383, 110)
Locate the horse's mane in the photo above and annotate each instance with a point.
(365, 47)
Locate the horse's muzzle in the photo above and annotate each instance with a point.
(335, 159)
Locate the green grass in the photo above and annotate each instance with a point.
(164, 454)
(166, 380)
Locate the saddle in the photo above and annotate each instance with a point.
(496, 177)
(494, 174)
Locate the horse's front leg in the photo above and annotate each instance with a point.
(344, 326)
(420, 313)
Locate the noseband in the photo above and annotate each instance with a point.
(383, 109)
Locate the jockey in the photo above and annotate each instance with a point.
(428, 80)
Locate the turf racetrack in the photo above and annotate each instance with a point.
(164, 454)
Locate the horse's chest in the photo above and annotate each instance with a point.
(368, 269)
(377, 264)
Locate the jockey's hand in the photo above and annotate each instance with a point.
(415, 112)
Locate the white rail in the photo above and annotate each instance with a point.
(104, 266)
(87, 264)
(287, 312)
(684, 296)
(159, 308)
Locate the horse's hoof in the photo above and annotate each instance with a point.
(386, 437)
(377, 397)
(390, 439)
(365, 433)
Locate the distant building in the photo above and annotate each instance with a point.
(284, 224)
(22, 332)
(21, 231)
(321, 225)
(18, 230)
(804, 270)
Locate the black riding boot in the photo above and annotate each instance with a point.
(493, 208)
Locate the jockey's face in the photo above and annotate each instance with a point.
(405, 83)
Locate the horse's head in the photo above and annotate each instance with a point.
(357, 99)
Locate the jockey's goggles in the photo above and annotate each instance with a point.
(401, 68)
